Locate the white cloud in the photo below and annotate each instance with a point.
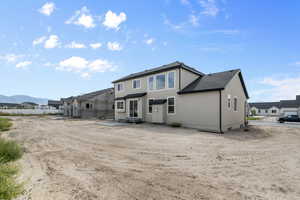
(227, 31)
(74, 63)
(75, 45)
(85, 67)
(185, 2)
(10, 58)
(112, 20)
(114, 46)
(194, 20)
(209, 7)
(39, 40)
(83, 18)
(23, 64)
(52, 42)
(279, 88)
(175, 27)
(85, 75)
(100, 65)
(150, 41)
(47, 9)
(95, 45)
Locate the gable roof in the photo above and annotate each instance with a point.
(279, 104)
(87, 96)
(265, 105)
(93, 94)
(212, 82)
(162, 68)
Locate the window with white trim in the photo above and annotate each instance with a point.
(171, 105)
(150, 105)
(151, 83)
(136, 84)
(120, 105)
(160, 81)
(229, 101)
(235, 102)
(171, 79)
(120, 87)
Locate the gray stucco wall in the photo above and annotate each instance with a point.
(230, 118)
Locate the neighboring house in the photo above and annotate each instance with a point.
(283, 107)
(29, 105)
(10, 106)
(99, 104)
(176, 93)
(55, 104)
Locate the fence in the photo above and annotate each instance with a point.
(31, 111)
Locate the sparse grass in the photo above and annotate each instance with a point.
(253, 118)
(9, 151)
(5, 124)
(9, 187)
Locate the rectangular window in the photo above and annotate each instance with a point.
(229, 101)
(258, 110)
(120, 105)
(235, 104)
(171, 105)
(171, 79)
(150, 104)
(266, 111)
(160, 81)
(119, 87)
(274, 111)
(136, 84)
(151, 83)
(87, 106)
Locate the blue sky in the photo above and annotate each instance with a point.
(56, 49)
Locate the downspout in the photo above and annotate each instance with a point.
(179, 79)
(220, 117)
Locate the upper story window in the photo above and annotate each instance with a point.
(171, 79)
(274, 111)
(120, 87)
(160, 81)
(151, 83)
(136, 84)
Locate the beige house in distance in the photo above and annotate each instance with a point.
(176, 93)
(98, 104)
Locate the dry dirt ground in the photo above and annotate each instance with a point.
(82, 159)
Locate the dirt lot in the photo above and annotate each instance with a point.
(69, 159)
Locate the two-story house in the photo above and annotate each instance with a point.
(176, 93)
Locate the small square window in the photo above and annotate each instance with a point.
(136, 84)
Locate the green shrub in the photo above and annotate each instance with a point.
(253, 118)
(5, 124)
(9, 188)
(175, 124)
(9, 151)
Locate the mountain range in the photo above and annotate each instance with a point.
(22, 98)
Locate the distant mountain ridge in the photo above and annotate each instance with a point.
(22, 98)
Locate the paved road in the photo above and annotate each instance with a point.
(266, 123)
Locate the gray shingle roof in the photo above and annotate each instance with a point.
(280, 104)
(160, 69)
(87, 96)
(265, 105)
(212, 82)
(93, 94)
(128, 96)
